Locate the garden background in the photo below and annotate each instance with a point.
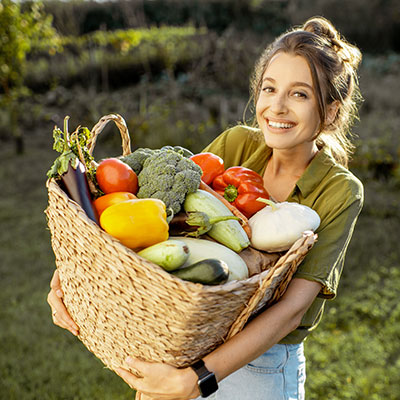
(178, 72)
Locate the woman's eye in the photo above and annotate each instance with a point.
(300, 94)
(268, 89)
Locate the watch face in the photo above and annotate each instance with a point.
(208, 385)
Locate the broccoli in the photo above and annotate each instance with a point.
(136, 159)
(168, 176)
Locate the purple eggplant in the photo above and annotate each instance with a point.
(76, 186)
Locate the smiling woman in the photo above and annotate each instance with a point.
(324, 71)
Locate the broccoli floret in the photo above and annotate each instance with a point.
(168, 176)
(179, 149)
(184, 179)
(136, 159)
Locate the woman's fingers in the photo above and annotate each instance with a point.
(132, 380)
(60, 314)
(55, 281)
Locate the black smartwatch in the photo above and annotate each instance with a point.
(207, 382)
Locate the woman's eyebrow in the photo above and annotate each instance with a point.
(293, 84)
(268, 79)
(304, 84)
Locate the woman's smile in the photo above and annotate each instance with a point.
(279, 125)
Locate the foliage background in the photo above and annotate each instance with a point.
(178, 72)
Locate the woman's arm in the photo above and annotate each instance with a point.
(166, 382)
(265, 330)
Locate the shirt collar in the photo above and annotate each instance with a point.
(315, 172)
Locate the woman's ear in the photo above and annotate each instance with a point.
(331, 112)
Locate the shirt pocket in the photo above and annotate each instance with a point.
(271, 362)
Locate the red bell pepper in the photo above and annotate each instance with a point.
(241, 186)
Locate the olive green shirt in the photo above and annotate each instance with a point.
(326, 187)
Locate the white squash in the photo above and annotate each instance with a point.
(278, 225)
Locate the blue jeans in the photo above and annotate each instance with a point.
(278, 374)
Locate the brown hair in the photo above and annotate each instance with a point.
(333, 63)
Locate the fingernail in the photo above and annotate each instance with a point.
(59, 293)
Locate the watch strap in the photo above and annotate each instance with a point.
(200, 369)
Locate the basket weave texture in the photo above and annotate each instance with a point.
(125, 305)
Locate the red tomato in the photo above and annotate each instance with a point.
(113, 175)
(102, 202)
(211, 165)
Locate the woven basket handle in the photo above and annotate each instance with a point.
(298, 251)
(123, 130)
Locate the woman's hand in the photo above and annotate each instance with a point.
(60, 314)
(160, 381)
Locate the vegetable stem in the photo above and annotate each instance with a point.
(230, 193)
(269, 202)
(214, 220)
(66, 133)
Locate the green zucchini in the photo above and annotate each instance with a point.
(170, 254)
(230, 233)
(201, 249)
(208, 272)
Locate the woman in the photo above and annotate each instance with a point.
(305, 93)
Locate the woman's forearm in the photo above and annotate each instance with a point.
(264, 331)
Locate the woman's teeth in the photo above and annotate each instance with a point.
(280, 125)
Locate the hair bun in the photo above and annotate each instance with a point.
(323, 28)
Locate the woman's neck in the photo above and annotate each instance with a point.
(290, 162)
(284, 169)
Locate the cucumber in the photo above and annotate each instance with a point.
(201, 249)
(229, 233)
(169, 254)
(208, 272)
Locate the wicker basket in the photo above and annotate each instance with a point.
(125, 305)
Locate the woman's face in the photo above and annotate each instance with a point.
(286, 109)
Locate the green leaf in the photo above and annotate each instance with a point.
(53, 171)
(59, 142)
(65, 159)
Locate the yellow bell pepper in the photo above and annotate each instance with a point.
(137, 223)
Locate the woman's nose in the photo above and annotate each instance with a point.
(279, 104)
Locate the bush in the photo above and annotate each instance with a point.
(77, 18)
(375, 28)
(120, 58)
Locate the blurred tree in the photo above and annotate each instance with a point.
(20, 32)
